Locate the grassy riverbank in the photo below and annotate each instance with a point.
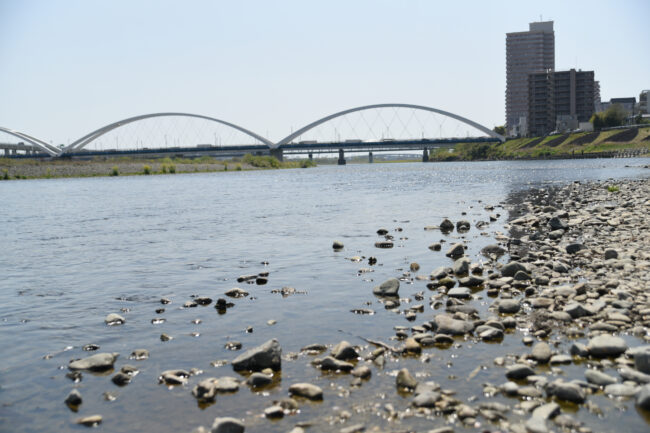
(619, 140)
(128, 166)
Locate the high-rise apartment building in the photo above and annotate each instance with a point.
(526, 53)
(559, 100)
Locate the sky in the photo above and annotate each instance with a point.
(68, 67)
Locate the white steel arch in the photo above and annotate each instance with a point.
(312, 125)
(40, 144)
(85, 140)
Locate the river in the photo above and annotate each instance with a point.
(74, 250)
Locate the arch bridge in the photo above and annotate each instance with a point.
(287, 145)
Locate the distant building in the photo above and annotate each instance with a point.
(526, 53)
(597, 96)
(559, 101)
(644, 102)
(628, 104)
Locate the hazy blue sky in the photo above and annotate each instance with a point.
(69, 67)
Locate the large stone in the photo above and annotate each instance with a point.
(459, 292)
(642, 361)
(426, 399)
(389, 287)
(344, 351)
(620, 390)
(557, 224)
(576, 310)
(566, 391)
(493, 250)
(405, 380)
(541, 352)
(268, 355)
(512, 268)
(461, 266)
(455, 251)
(205, 390)
(599, 378)
(306, 390)
(114, 319)
(508, 306)
(519, 372)
(574, 248)
(227, 384)
(446, 225)
(606, 345)
(643, 397)
(227, 425)
(97, 362)
(74, 398)
(447, 325)
(331, 364)
(546, 411)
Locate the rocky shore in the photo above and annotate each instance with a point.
(569, 282)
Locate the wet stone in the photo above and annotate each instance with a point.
(90, 421)
(405, 380)
(306, 390)
(98, 362)
(114, 319)
(268, 355)
(389, 287)
(257, 380)
(227, 425)
(73, 399)
(140, 354)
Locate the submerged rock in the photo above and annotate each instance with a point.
(306, 390)
(227, 425)
(97, 362)
(114, 319)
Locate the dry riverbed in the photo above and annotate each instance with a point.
(570, 281)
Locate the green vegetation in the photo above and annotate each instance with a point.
(261, 161)
(613, 116)
(115, 171)
(146, 169)
(5, 174)
(612, 188)
(500, 130)
(238, 167)
(553, 146)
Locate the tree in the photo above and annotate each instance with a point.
(614, 116)
(500, 129)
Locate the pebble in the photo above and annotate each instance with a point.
(73, 399)
(90, 421)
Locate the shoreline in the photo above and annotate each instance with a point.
(574, 292)
(16, 169)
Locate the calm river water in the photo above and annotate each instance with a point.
(74, 250)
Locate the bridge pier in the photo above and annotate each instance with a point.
(370, 158)
(341, 160)
(311, 156)
(425, 155)
(277, 154)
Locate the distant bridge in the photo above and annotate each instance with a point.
(32, 146)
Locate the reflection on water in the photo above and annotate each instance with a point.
(75, 250)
